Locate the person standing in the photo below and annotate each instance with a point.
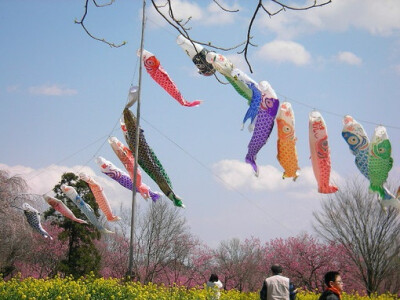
(334, 286)
(277, 287)
(216, 285)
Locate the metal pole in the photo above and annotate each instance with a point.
(132, 240)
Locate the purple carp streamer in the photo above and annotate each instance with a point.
(33, 218)
(109, 169)
(148, 160)
(264, 124)
(115, 173)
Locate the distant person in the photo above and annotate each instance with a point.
(277, 287)
(334, 286)
(214, 284)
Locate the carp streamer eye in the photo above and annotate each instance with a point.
(286, 129)
(353, 140)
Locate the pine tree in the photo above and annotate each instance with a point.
(83, 256)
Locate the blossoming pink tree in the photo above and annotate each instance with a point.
(305, 260)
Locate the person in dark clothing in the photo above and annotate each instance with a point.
(334, 286)
(277, 287)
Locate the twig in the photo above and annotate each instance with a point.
(87, 31)
(219, 80)
(246, 47)
(303, 8)
(224, 9)
(102, 5)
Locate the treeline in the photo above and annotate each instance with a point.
(167, 252)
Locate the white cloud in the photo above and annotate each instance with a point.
(238, 61)
(217, 16)
(376, 17)
(397, 69)
(349, 58)
(51, 90)
(237, 175)
(12, 88)
(284, 51)
(210, 16)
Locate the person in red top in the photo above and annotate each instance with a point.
(334, 286)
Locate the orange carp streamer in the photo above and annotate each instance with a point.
(100, 197)
(287, 154)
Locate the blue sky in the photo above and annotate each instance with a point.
(62, 94)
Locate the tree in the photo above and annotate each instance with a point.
(14, 238)
(166, 9)
(240, 264)
(114, 248)
(370, 235)
(200, 264)
(164, 250)
(43, 257)
(305, 260)
(82, 255)
(163, 244)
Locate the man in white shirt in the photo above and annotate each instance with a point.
(277, 287)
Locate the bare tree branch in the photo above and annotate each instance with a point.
(283, 8)
(223, 8)
(87, 31)
(102, 5)
(316, 4)
(246, 47)
(166, 11)
(179, 26)
(270, 13)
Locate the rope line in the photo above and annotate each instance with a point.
(214, 174)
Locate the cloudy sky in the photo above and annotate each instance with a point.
(62, 94)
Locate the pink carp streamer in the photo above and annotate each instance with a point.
(320, 153)
(126, 157)
(59, 206)
(157, 72)
(100, 197)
